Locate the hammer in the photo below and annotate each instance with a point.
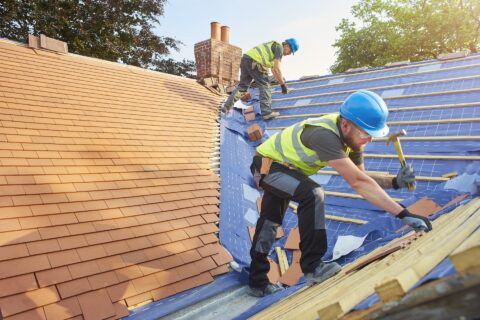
(396, 142)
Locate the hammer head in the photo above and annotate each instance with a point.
(394, 136)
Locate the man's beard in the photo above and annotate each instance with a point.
(348, 139)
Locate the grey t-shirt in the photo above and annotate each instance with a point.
(277, 50)
(327, 145)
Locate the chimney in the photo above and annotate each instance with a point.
(225, 34)
(215, 30)
(217, 58)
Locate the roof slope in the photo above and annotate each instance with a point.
(437, 102)
(107, 199)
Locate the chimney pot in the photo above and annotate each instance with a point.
(215, 30)
(226, 34)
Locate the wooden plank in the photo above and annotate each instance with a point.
(466, 258)
(281, 262)
(400, 284)
(421, 178)
(455, 297)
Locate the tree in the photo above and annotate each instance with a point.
(396, 30)
(115, 30)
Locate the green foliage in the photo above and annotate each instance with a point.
(115, 30)
(395, 30)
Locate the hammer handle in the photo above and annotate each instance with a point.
(398, 147)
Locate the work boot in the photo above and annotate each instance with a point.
(322, 272)
(265, 291)
(271, 115)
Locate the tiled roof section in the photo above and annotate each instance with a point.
(107, 199)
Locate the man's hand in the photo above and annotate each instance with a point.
(418, 223)
(284, 88)
(404, 176)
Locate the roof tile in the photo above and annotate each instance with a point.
(63, 309)
(13, 251)
(143, 297)
(110, 263)
(121, 291)
(28, 300)
(35, 314)
(73, 288)
(103, 280)
(43, 246)
(18, 284)
(53, 276)
(91, 252)
(25, 265)
(96, 305)
(63, 258)
(83, 269)
(72, 242)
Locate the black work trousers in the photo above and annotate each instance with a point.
(281, 185)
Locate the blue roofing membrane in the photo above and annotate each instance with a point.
(430, 90)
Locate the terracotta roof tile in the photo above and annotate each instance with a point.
(13, 251)
(96, 305)
(121, 291)
(94, 191)
(63, 258)
(64, 309)
(110, 263)
(54, 232)
(29, 300)
(163, 292)
(73, 288)
(219, 270)
(141, 298)
(43, 246)
(209, 238)
(25, 265)
(83, 269)
(53, 276)
(72, 242)
(36, 314)
(91, 252)
(17, 285)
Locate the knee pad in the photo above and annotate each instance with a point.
(266, 236)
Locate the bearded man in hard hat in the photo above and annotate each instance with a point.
(254, 65)
(282, 167)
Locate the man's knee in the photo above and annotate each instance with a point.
(266, 236)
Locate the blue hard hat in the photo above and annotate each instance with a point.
(368, 111)
(292, 42)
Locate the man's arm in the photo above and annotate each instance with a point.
(277, 72)
(365, 185)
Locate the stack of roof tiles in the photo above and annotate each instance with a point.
(106, 197)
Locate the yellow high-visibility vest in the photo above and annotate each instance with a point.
(263, 54)
(287, 147)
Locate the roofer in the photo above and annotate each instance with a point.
(254, 66)
(281, 168)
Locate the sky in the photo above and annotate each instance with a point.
(311, 22)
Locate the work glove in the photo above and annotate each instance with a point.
(418, 223)
(404, 176)
(284, 88)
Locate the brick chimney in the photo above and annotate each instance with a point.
(217, 58)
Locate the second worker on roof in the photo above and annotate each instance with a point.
(255, 65)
